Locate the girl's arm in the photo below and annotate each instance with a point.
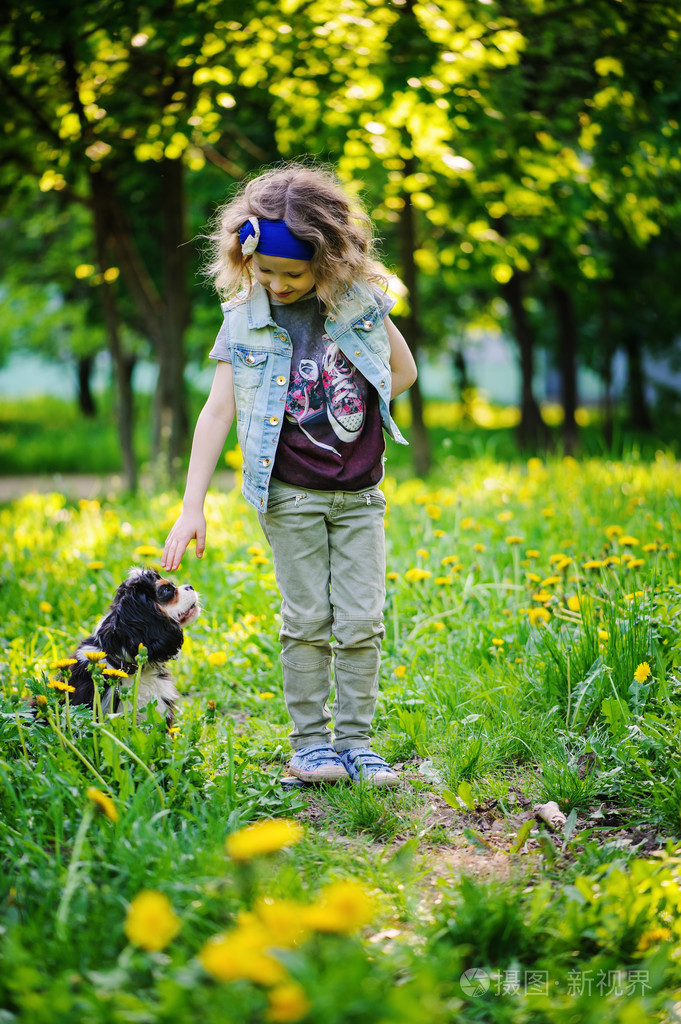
(402, 365)
(211, 431)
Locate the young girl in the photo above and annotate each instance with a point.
(308, 359)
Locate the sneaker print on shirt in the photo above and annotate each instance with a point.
(344, 406)
(331, 396)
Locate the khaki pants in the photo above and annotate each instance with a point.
(329, 562)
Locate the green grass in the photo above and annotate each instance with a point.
(518, 619)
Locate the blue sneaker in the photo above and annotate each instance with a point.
(364, 765)
(319, 763)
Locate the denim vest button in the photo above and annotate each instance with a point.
(250, 358)
(367, 324)
(332, 318)
(358, 351)
(274, 420)
(281, 381)
(265, 462)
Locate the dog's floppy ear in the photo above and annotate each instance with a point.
(135, 618)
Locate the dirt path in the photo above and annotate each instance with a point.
(80, 485)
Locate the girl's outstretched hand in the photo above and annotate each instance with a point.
(190, 525)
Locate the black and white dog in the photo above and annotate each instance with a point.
(146, 610)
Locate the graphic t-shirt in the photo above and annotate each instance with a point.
(331, 436)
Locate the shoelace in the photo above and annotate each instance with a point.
(340, 373)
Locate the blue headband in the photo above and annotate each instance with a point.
(273, 238)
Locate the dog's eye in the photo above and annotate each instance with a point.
(166, 592)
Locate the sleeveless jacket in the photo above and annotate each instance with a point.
(261, 362)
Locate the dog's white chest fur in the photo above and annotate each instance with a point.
(155, 684)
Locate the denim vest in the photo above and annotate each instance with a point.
(261, 362)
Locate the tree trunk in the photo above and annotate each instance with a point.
(171, 413)
(125, 411)
(86, 400)
(532, 432)
(412, 330)
(567, 360)
(639, 413)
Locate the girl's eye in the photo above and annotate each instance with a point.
(165, 593)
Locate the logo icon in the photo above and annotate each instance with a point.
(474, 982)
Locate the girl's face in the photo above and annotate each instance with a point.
(285, 280)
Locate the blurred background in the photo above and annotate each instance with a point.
(520, 159)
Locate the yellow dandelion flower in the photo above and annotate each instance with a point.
(41, 700)
(434, 512)
(443, 581)
(532, 577)
(400, 671)
(45, 607)
(217, 658)
(593, 563)
(438, 625)
(103, 802)
(147, 551)
(95, 565)
(281, 920)
(650, 547)
(573, 604)
(513, 539)
(64, 663)
(259, 560)
(449, 560)
(538, 616)
(627, 541)
(542, 596)
(95, 655)
(393, 576)
(505, 516)
(343, 908)
(240, 954)
(635, 596)
(117, 672)
(287, 1003)
(439, 533)
(548, 513)
(263, 837)
(233, 458)
(611, 561)
(532, 553)
(255, 549)
(151, 921)
(613, 531)
(550, 581)
(422, 553)
(266, 695)
(635, 563)
(642, 672)
(653, 937)
(468, 523)
(497, 641)
(416, 574)
(603, 635)
(479, 548)
(59, 684)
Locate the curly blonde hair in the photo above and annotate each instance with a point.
(316, 209)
